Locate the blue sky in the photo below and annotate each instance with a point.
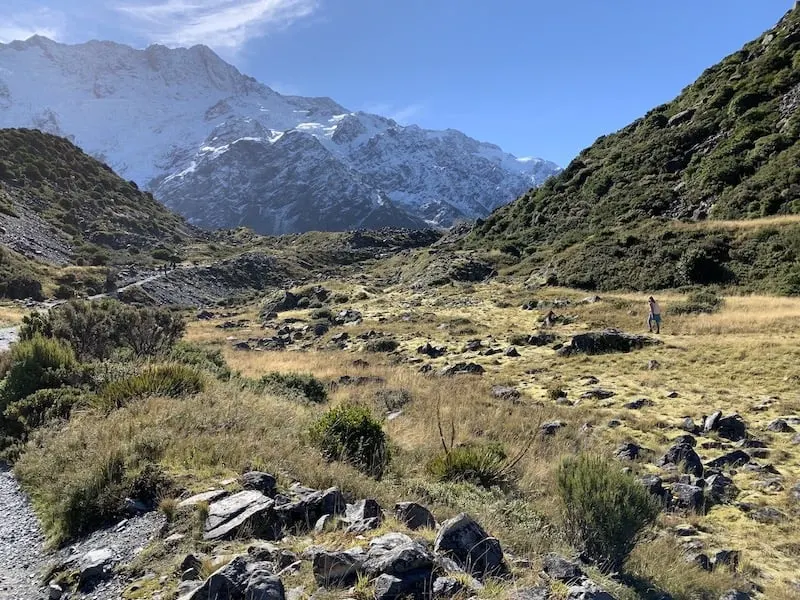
(537, 78)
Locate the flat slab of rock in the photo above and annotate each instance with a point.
(605, 342)
(209, 496)
(226, 517)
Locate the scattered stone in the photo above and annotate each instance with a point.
(732, 428)
(683, 455)
(729, 558)
(687, 497)
(688, 440)
(720, 489)
(552, 427)
(653, 365)
(637, 404)
(340, 338)
(560, 569)
(502, 392)
(701, 560)
(511, 352)
(429, 350)
(364, 509)
(303, 513)
(655, 486)
(260, 482)
(767, 515)
(689, 425)
(473, 346)
(737, 458)
(337, 569)
(463, 368)
(54, 591)
(629, 451)
(604, 342)
(735, 595)
(94, 565)
(541, 339)
(673, 395)
(464, 540)
(597, 394)
(710, 422)
(242, 346)
(412, 556)
(414, 584)
(414, 516)
(780, 426)
(363, 526)
(190, 575)
(685, 531)
(250, 509)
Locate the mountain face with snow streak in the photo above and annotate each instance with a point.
(224, 150)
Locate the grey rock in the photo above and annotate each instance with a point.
(551, 427)
(363, 526)
(710, 423)
(720, 489)
(588, 590)
(534, 593)
(685, 457)
(629, 451)
(503, 392)
(227, 517)
(767, 515)
(597, 394)
(387, 542)
(735, 595)
(467, 543)
(604, 342)
(637, 404)
(654, 485)
(95, 565)
(229, 582)
(303, 513)
(559, 568)
(402, 559)
(729, 558)
(463, 368)
(336, 569)
(732, 428)
(190, 574)
(737, 458)
(364, 509)
(447, 587)
(414, 516)
(262, 585)
(414, 583)
(260, 482)
(54, 591)
(780, 426)
(688, 497)
(511, 352)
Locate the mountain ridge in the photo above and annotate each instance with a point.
(165, 118)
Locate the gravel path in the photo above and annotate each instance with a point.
(8, 335)
(21, 553)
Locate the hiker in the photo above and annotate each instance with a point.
(654, 316)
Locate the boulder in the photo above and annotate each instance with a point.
(559, 568)
(280, 301)
(597, 394)
(710, 422)
(629, 451)
(94, 565)
(655, 486)
(432, 351)
(780, 426)
(638, 404)
(502, 392)
(737, 458)
(720, 489)
(604, 342)
(728, 558)
(397, 561)
(735, 595)
(465, 541)
(551, 427)
(260, 482)
(767, 515)
(732, 428)
(463, 368)
(588, 590)
(414, 516)
(413, 584)
(226, 517)
(386, 542)
(363, 509)
(303, 513)
(363, 526)
(262, 585)
(336, 569)
(687, 497)
(533, 593)
(511, 352)
(684, 456)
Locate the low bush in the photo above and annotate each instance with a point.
(604, 510)
(173, 380)
(43, 406)
(96, 329)
(304, 384)
(703, 301)
(483, 465)
(210, 360)
(36, 364)
(350, 433)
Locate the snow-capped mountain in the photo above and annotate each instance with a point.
(224, 150)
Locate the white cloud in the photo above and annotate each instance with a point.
(21, 26)
(221, 24)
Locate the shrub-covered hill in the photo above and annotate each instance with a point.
(47, 181)
(726, 148)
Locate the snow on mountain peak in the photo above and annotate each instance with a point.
(226, 150)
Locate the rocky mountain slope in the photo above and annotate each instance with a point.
(725, 148)
(58, 204)
(225, 150)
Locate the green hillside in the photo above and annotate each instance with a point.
(725, 149)
(45, 176)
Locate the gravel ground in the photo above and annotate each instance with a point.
(23, 559)
(8, 335)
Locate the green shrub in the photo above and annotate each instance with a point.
(555, 392)
(96, 329)
(173, 380)
(210, 360)
(604, 510)
(350, 433)
(19, 286)
(321, 313)
(703, 301)
(303, 383)
(44, 406)
(483, 465)
(36, 364)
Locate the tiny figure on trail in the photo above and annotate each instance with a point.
(654, 316)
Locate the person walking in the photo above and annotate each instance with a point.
(654, 316)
